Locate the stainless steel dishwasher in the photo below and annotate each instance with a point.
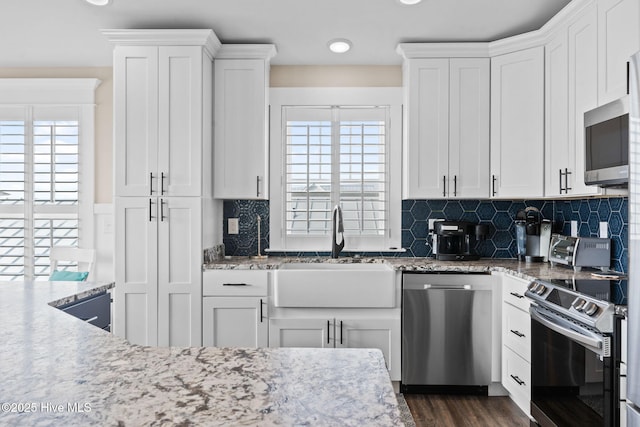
(446, 333)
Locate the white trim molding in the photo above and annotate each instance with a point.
(247, 51)
(166, 37)
(63, 91)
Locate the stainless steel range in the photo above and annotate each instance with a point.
(574, 351)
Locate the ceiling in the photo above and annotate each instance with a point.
(65, 33)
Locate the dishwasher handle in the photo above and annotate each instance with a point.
(446, 287)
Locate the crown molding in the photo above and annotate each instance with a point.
(168, 37)
(247, 51)
(498, 47)
(440, 50)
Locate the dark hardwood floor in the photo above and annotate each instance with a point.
(435, 410)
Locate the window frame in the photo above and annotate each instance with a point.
(343, 96)
(78, 95)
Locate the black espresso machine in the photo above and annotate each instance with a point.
(455, 240)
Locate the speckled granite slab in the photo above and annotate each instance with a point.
(57, 370)
(529, 271)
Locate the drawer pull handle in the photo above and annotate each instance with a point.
(518, 333)
(516, 295)
(261, 314)
(516, 379)
(234, 284)
(328, 332)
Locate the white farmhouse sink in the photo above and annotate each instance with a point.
(334, 285)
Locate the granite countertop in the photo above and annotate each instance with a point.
(58, 370)
(528, 271)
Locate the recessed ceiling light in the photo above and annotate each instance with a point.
(98, 2)
(409, 2)
(339, 45)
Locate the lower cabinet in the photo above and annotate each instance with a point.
(340, 331)
(234, 322)
(516, 341)
(234, 308)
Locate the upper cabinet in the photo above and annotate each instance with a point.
(446, 138)
(159, 108)
(558, 150)
(241, 120)
(517, 124)
(571, 88)
(618, 39)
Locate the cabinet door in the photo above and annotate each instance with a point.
(468, 174)
(426, 142)
(583, 90)
(383, 334)
(296, 332)
(234, 322)
(135, 82)
(240, 127)
(516, 378)
(517, 124)
(179, 271)
(618, 39)
(557, 143)
(180, 86)
(136, 265)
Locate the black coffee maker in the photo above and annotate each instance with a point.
(454, 240)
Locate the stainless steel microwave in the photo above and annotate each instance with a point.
(607, 144)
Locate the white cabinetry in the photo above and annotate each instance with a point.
(446, 144)
(570, 89)
(516, 341)
(558, 149)
(163, 84)
(158, 270)
(241, 121)
(517, 124)
(336, 324)
(235, 308)
(583, 91)
(618, 39)
(158, 98)
(340, 328)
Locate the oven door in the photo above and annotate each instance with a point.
(571, 373)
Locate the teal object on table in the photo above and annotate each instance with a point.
(68, 276)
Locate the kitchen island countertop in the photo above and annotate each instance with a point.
(57, 370)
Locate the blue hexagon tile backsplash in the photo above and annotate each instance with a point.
(498, 214)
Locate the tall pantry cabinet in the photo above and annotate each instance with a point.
(164, 208)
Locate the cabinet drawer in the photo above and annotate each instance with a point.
(516, 332)
(516, 378)
(235, 282)
(513, 290)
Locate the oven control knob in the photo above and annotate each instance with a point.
(532, 286)
(590, 309)
(579, 304)
(540, 289)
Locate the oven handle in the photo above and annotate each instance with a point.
(593, 343)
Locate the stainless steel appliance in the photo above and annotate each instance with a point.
(578, 252)
(454, 240)
(606, 144)
(633, 321)
(446, 333)
(533, 235)
(575, 351)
